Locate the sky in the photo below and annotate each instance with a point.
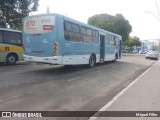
(145, 25)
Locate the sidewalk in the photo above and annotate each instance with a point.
(143, 94)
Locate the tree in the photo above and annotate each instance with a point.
(13, 11)
(133, 41)
(117, 24)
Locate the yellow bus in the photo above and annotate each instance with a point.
(11, 47)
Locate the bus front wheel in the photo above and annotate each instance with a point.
(92, 61)
(11, 59)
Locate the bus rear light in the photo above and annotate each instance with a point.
(55, 48)
(55, 44)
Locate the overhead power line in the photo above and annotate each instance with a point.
(157, 8)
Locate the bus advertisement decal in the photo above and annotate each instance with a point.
(48, 27)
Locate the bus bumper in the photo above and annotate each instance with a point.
(47, 60)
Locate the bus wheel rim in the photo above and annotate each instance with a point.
(11, 59)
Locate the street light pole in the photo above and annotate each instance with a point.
(157, 8)
(153, 15)
(157, 17)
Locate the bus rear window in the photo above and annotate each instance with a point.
(40, 24)
(12, 38)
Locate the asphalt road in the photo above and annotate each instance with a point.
(32, 87)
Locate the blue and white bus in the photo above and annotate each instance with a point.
(60, 40)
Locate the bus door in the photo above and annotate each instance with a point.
(102, 48)
(120, 48)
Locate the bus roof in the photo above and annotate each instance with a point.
(74, 21)
(11, 30)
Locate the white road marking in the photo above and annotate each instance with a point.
(16, 96)
(104, 108)
(28, 92)
(73, 79)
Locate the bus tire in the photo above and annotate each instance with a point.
(92, 61)
(11, 59)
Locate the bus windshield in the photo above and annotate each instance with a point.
(39, 24)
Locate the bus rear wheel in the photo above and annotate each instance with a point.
(11, 59)
(92, 61)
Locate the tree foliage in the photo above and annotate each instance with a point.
(117, 24)
(133, 41)
(13, 11)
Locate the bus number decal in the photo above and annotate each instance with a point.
(30, 23)
(6, 48)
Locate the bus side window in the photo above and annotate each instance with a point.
(67, 30)
(107, 39)
(83, 30)
(72, 31)
(1, 37)
(110, 40)
(95, 37)
(86, 34)
(117, 41)
(67, 26)
(75, 28)
(83, 33)
(76, 32)
(89, 35)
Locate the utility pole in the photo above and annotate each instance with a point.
(48, 9)
(157, 17)
(157, 8)
(153, 15)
